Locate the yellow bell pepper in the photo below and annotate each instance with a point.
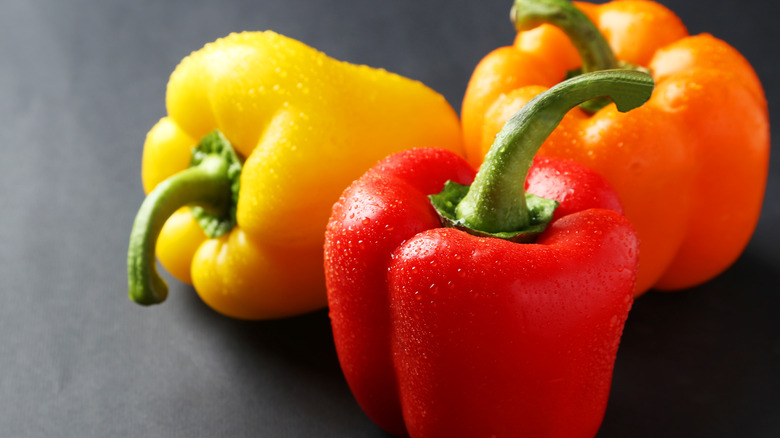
(281, 129)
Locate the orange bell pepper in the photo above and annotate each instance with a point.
(690, 165)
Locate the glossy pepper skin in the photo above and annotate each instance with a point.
(302, 126)
(443, 333)
(690, 166)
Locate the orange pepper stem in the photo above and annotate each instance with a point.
(210, 185)
(496, 202)
(586, 38)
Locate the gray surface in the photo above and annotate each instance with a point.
(81, 81)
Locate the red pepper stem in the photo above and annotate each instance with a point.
(207, 185)
(496, 202)
(584, 35)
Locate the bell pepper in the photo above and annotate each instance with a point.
(485, 310)
(281, 129)
(690, 166)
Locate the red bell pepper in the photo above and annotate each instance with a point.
(445, 324)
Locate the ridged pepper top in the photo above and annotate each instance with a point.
(290, 109)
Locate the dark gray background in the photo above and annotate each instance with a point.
(81, 82)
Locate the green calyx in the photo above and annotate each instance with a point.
(496, 203)
(210, 186)
(540, 213)
(217, 220)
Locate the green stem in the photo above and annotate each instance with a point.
(211, 184)
(496, 202)
(590, 43)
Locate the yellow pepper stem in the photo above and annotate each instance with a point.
(210, 185)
